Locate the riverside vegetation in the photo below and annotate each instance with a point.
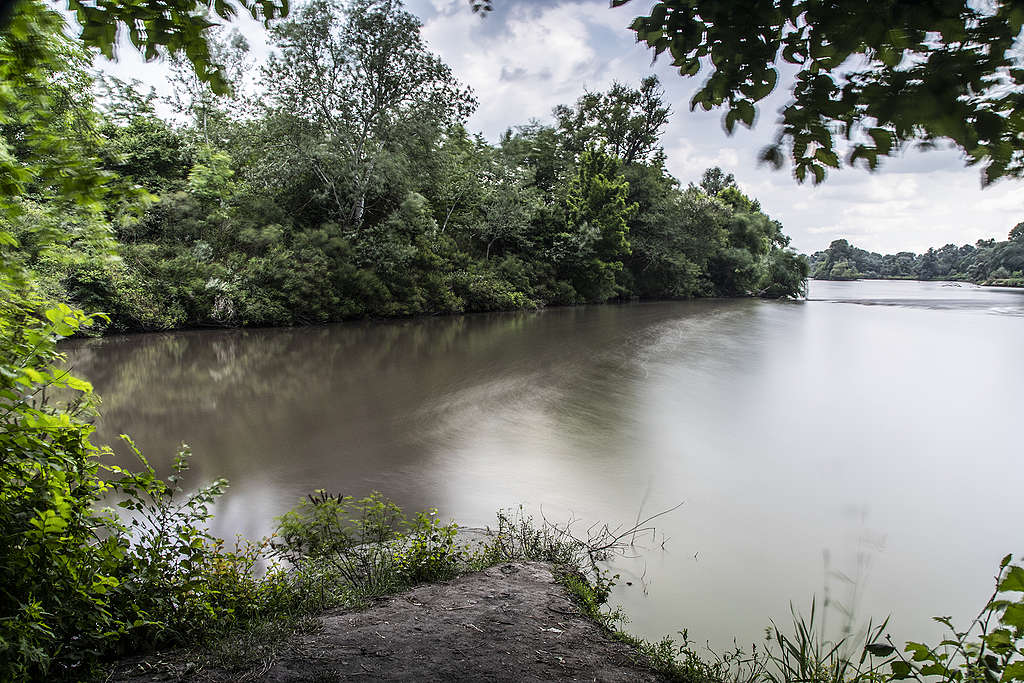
(988, 262)
(348, 186)
(387, 217)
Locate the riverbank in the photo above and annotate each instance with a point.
(1013, 282)
(1000, 282)
(512, 622)
(99, 328)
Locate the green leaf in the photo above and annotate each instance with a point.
(1014, 616)
(827, 157)
(900, 669)
(918, 652)
(1013, 581)
(934, 669)
(879, 649)
(1013, 672)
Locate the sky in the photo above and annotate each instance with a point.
(530, 55)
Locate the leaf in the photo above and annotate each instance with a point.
(934, 669)
(901, 669)
(919, 652)
(1013, 672)
(1013, 581)
(827, 157)
(998, 639)
(1014, 616)
(883, 140)
(879, 649)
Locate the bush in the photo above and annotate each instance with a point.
(81, 583)
(486, 291)
(367, 543)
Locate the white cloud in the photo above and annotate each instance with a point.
(537, 58)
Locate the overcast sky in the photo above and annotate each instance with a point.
(531, 55)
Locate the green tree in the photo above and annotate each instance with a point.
(208, 110)
(509, 207)
(843, 270)
(672, 236)
(596, 241)
(627, 121)
(356, 77)
(715, 180)
(72, 589)
(785, 275)
(47, 122)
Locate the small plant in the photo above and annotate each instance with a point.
(182, 581)
(430, 551)
(356, 537)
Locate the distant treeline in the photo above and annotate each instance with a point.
(350, 187)
(988, 262)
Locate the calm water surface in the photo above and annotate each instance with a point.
(864, 444)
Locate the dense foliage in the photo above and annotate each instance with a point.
(988, 262)
(870, 78)
(78, 581)
(350, 187)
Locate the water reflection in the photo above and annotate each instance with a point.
(791, 431)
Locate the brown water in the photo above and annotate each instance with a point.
(864, 444)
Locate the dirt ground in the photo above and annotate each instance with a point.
(512, 622)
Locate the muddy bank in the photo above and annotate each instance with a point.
(512, 622)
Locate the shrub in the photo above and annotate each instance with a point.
(79, 583)
(486, 291)
(367, 544)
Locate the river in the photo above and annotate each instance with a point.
(863, 445)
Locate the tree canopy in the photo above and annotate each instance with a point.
(175, 26)
(869, 78)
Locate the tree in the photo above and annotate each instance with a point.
(196, 98)
(785, 275)
(509, 206)
(1017, 233)
(74, 582)
(595, 244)
(47, 122)
(627, 121)
(843, 270)
(176, 26)
(457, 187)
(715, 180)
(354, 77)
(672, 236)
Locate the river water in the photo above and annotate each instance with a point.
(863, 445)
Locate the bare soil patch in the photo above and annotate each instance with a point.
(512, 622)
